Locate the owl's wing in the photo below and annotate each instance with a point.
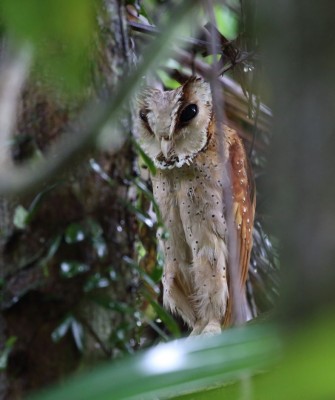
(244, 199)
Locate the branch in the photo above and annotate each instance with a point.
(196, 44)
(234, 95)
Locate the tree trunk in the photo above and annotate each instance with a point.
(79, 234)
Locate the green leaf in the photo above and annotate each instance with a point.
(4, 354)
(146, 160)
(78, 334)
(59, 32)
(140, 214)
(149, 195)
(226, 21)
(52, 250)
(168, 320)
(97, 238)
(37, 201)
(167, 80)
(144, 189)
(62, 329)
(156, 328)
(96, 281)
(147, 279)
(181, 365)
(306, 370)
(54, 246)
(96, 167)
(74, 233)
(69, 269)
(20, 217)
(107, 303)
(70, 324)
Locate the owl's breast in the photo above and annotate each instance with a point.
(191, 203)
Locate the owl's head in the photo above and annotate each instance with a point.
(172, 125)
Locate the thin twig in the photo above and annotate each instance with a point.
(236, 291)
(239, 60)
(229, 86)
(197, 44)
(255, 127)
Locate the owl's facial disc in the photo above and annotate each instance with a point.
(173, 125)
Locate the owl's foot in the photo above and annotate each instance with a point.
(206, 328)
(212, 328)
(198, 328)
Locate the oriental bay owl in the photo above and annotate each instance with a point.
(177, 130)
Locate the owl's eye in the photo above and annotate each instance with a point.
(143, 116)
(188, 113)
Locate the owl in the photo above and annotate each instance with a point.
(177, 129)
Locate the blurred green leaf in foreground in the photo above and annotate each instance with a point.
(176, 367)
(298, 367)
(59, 33)
(219, 367)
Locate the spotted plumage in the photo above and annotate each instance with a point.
(177, 130)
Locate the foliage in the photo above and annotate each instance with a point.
(186, 364)
(239, 362)
(59, 34)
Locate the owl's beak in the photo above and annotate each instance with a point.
(166, 146)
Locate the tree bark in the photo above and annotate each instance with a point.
(36, 298)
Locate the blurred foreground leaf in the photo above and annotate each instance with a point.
(181, 365)
(306, 370)
(225, 363)
(60, 33)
